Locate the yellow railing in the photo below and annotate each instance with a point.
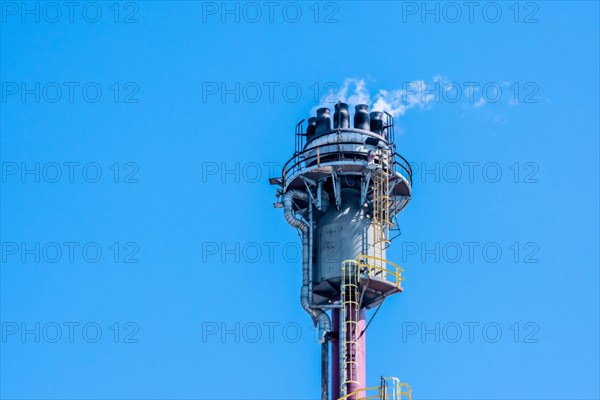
(364, 394)
(407, 393)
(399, 391)
(374, 266)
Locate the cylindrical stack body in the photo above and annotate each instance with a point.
(342, 235)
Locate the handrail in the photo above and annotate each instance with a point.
(394, 269)
(292, 164)
(395, 393)
(366, 396)
(405, 166)
(299, 159)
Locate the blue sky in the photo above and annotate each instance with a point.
(195, 289)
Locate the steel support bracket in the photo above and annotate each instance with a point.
(336, 189)
(364, 188)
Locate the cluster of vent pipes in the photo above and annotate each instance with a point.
(321, 124)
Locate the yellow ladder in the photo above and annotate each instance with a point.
(350, 296)
(381, 202)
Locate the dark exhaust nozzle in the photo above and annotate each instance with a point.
(341, 116)
(361, 117)
(323, 120)
(377, 125)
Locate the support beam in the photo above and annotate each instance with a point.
(335, 180)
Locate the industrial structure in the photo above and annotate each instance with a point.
(343, 189)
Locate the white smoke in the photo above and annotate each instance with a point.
(396, 102)
(360, 95)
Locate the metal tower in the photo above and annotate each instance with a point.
(343, 189)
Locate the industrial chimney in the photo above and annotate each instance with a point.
(343, 188)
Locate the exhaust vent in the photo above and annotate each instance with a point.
(323, 120)
(341, 116)
(361, 117)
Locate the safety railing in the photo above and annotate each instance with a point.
(379, 267)
(404, 390)
(371, 393)
(401, 165)
(322, 155)
(392, 389)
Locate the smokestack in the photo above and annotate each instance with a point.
(361, 117)
(323, 120)
(341, 116)
(343, 215)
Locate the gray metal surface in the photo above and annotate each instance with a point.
(342, 235)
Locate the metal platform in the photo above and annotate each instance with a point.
(376, 281)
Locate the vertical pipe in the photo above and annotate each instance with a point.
(335, 355)
(319, 316)
(324, 344)
(325, 370)
(352, 350)
(362, 349)
(358, 353)
(342, 339)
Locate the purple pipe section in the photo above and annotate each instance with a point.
(362, 349)
(360, 355)
(335, 355)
